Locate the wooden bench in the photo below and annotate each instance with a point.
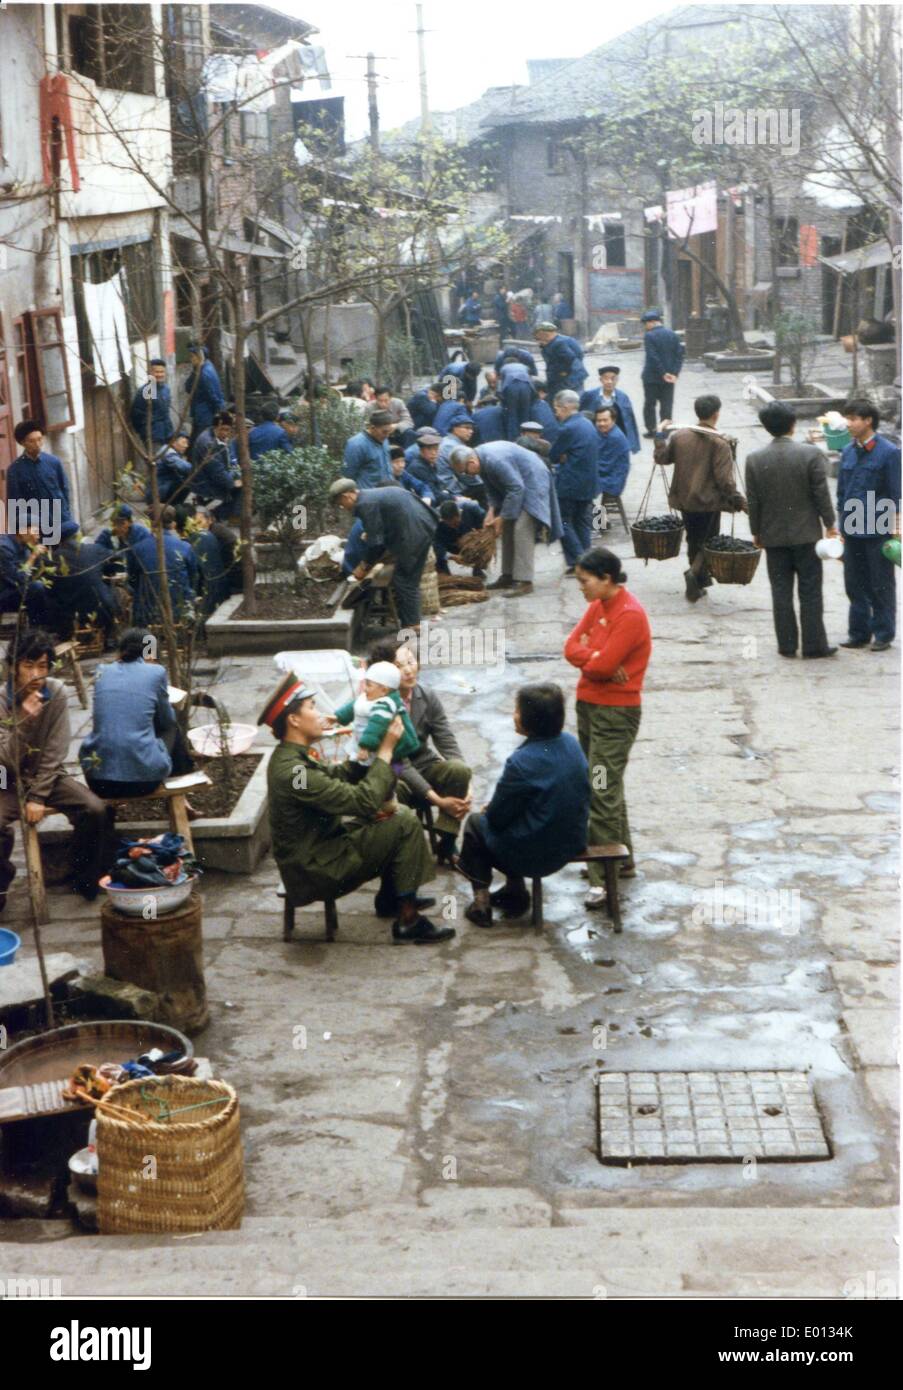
(175, 798)
(37, 891)
(610, 857)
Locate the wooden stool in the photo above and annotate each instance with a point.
(611, 503)
(37, 891)
(67, 652)
(175, 798)
(290, 904)
(610, 857)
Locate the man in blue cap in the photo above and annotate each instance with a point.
(609, 393)
(661, 368)
(37, 479)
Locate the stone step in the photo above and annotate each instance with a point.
(823, 1252)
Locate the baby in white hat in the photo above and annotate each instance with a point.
(371, 714)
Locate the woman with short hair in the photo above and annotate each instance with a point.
(536, 820)
(611, 646)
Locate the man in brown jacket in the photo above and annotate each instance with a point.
(703, 485)
(34, 746)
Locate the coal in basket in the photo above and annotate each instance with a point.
(731, 560)
(657, 537)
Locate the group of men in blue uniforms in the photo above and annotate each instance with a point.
(586, 440)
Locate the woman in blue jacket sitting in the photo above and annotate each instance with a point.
(135, 741)
(537, 818)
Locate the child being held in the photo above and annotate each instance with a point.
(372, 713)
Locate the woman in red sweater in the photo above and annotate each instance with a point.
(610, 646)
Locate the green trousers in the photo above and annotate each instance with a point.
(448, 777)
(606, 734)
(394, 849)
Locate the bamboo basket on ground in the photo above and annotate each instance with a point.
(189, 1130)
(429, 588)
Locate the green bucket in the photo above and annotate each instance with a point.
(836, 439)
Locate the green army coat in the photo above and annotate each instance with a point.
(314, 848)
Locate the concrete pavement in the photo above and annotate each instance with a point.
(435, 1133)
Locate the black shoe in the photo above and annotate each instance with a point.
(480, 916)
(88, 891)
(420, 932)
(791, 654)
(511, 904)
(814, 656)
(693, 587)
(388, 907)
(880, 646)
(520, 590)
(853, 644)
(504, 581)
(648, 434)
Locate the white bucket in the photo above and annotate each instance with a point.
(829, 548)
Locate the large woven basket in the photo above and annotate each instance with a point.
(656, 545)
(169, 1157)
(732, 566)
(429, 589)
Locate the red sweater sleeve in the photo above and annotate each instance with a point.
(626, 635)
(575, 651)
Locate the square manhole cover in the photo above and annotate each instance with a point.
(708, 1117)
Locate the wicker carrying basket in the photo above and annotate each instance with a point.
(732, 566)
(196, 1182)
(656, 545)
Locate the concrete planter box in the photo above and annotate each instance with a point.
(807, 407)
(228, 636)
(755, 360)
(236, 844)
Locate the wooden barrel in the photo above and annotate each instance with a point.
(165, 955)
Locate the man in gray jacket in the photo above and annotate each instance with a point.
(789, 500)
(522, 499)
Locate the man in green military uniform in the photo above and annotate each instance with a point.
(315, 847)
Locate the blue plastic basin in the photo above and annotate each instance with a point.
(9, 945)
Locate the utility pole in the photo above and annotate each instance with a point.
(421, 53)
(372, 103)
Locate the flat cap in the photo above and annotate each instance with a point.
(428, 437)
(546, 327)
(342, 485)
(649, 315)
(531, 425)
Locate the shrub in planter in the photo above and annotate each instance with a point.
(795, 340)
(291, 494)
(336, 420)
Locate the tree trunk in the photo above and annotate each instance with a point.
(244, 460)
